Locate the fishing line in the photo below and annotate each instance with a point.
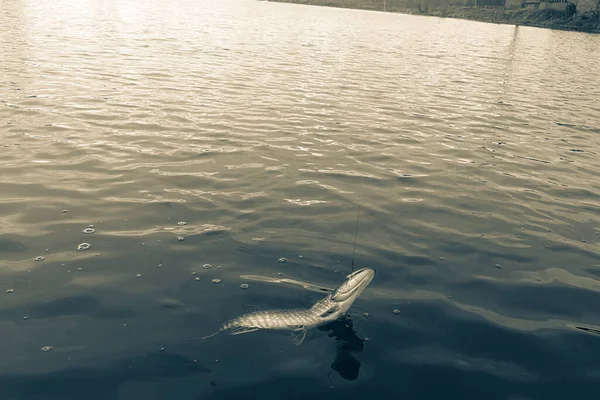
(355, 236)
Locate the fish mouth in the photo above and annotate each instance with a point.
(355, 283)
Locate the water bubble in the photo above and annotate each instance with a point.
(197, 278)
(366, 315)
(90, 226)
(10, 290)
(46, 348)
(159, 265)
(396, 311)
(498, 266)
(216, 281)
(39, 258)
(194, 273)
(180, 238)
(139, 275)
(162, 349)
(282, 260)
(84, 246)
(207, 266)
(280, 274)
(79, 269)
(441, 258)
(89, 230)
(300, 256)
(64, 211)
(244, 286)
(25, 318)
(182, 223)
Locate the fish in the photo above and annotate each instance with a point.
(298, 321)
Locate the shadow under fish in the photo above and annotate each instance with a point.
(298, 321)
(347, 342)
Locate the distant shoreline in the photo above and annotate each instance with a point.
(582, 22)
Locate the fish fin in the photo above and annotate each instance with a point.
(330, 311)
(250, 308)
(243, 329)
(298, 335)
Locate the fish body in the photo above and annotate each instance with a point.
(297, 321)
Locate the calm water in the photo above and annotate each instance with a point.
(472, 148)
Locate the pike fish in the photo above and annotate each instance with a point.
(297, 321)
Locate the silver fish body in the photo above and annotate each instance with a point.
(298, 321)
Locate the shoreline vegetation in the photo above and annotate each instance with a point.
(546, 18)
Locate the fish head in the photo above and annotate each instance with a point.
(353, 286)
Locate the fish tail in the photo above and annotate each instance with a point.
(214, 334)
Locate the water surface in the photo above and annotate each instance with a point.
(472, 148)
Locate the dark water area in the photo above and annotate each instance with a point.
(235, 133)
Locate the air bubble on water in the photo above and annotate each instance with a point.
(10, 290)
(39, 258)
(182, 223)
(300, 256)
(160, 265)
(25, 318)
(84, 246)
(280, 274)
(216, 281)
(180, 238)
(194, 273)
(139, 275)
(162, 349)
(441, 258)
(46, 348)
(207, 266)
(396, 311)
(64, 211)
(282, 260)
(366, 315)
(89, 230)
(62, 265)
(498, 266)
(219, 267)
(79, 269)
(244, 286)
(197, 278)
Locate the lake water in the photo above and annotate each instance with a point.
(472, 149)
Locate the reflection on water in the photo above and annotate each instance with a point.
(471, 147)
(347, 343)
